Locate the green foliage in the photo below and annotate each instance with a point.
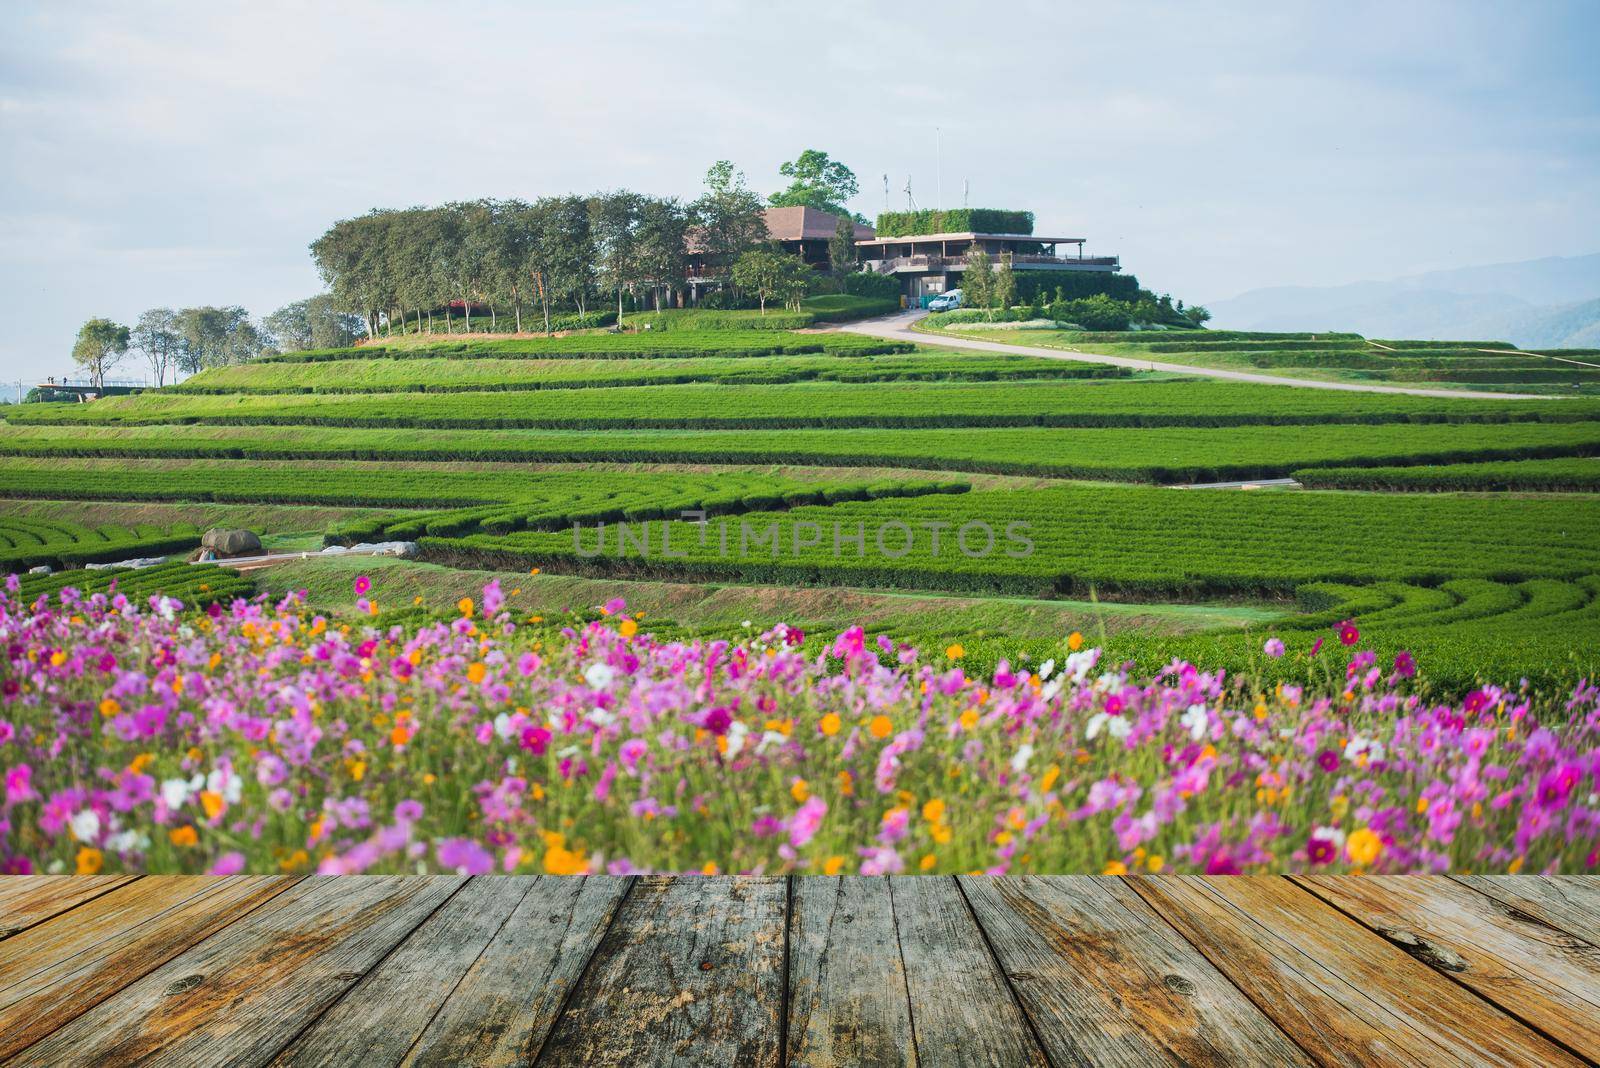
(1098, 312)
(27, 543)
(313, 323)
(196, 585)
(1123, 542)
(954, 221)
(870, 284)
(1135, 454)
(1569, 474)
(1003, 293)
(1100, 404)
(769, 274)
(100, 346)
(1072, 285)
(816, 181)
(693, 319)
(841, 307)
(977, 281)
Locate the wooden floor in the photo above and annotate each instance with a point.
(973, 971)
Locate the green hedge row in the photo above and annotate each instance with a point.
(953, 221)
(1549, 475)
(776, 318)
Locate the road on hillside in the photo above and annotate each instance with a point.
(898, 328)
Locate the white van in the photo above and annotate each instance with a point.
(948, 302)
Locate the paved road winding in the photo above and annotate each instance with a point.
(898, 328)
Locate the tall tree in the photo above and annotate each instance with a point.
(614, 221)
(100, 346)
(769, 274)
(156, 336)
(312, 323)
(977, 281)
(728, 217)
(215, 337)
(816, 181)
(842, 247)
(1003, 291)
(663, 230)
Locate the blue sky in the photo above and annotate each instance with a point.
(186, 153)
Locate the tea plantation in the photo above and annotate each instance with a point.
(1465, 530)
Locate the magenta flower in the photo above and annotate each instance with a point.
(1320, 850)
(1476, 701)
(536, 740)
(363, 584)
(227, 864)
(1404, 665)
(1273, 648)
(1348, 634)
(1328, 761)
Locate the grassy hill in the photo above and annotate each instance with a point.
(828, 461)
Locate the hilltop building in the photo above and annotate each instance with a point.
(801, 231)
(927, 250)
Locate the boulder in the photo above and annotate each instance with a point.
(231, 542)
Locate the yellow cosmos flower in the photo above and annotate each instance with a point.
(832, 865)
(800, 790)
(1363, 846)
(90, 861)
(830, 724)
(933, 811)
(183, 836)
(1075, 641)
(881, 726)
(955, 652)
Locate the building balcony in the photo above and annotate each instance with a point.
(933, 264)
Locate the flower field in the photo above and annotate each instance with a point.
(139, 735)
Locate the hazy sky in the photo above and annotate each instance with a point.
(186, 153)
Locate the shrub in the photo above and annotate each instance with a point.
(954, 221)
(869, 284)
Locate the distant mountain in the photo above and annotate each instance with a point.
(1548, 303)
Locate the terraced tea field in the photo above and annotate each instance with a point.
(831, 460)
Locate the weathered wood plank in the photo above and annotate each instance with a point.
(1545, 977)
(691, 973)
(506, 1004)
(242, 995)
(1570, 903)
(848, 1002)
(963, 1011)
(26, 900)
(1106, 981)
(380, 1018)
(56, 971)
(1340, 991)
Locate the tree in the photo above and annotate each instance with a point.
(771, 275)
(312, 323)
(663, 227)
(816, 181)
(1003, 291)
(1196, 314)
(977, 281)
(728, 217)
(614, 222)
(100, 346)
(842, 247)
(216, 337)
(156, 336)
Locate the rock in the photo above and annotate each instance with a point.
(42, 569)
(231, 542)
(128, 565)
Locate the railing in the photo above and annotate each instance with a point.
(959, 263)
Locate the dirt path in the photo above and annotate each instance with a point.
(898, 328)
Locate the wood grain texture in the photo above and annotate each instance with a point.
(26, 900)
(242, 995)
(503, 1009)
(1544, 976)
(848, 1002)
(56, 971)
(383, 1015)
(1106, 981)
(691, 973)
(1570, 903)
(1340, 991)
(962, 1008)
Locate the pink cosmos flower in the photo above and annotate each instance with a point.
(1348, 634)
(1328, 761)
(1404, 665)
(1273, 648)
(227, 864)
(1320, 850)
(363, 584)
(805, 823)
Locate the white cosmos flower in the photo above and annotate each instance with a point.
(228, 785)
(599, 676)
(85, 825)
(736, 736)
(502, 727)
(1045, 669)
(1195, 721)
(1020, 758)
(174, 792)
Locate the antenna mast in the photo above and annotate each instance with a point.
(886, 193)
(911, 203)
(964, 191)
